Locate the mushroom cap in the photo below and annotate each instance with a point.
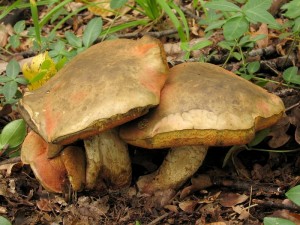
(74, 160)
(53, 173)
(107, 85)
(50, 172)
(203, 104)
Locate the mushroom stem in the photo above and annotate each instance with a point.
(179, 165)
(107, 160)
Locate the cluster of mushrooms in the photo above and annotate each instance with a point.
(121, 92)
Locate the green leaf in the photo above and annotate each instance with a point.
(223, 5)
(230, 153)
(61, 63)
(296, 26)
(215, 25)
(115, 4)
(13, 69)
(253, 67)
(9, 89)
(246, 76)
(292, 9)
(259, 137)
(173, 17)
(38, 77)
(294, 194)
(235, 27)
(290, 75)
(226, 44)
(257, 4)
(92, 31)
(4, 79)
(262, 16)
(19, 26)
(13, 134)
(21, 80)
(277, 221)
(4, 221)
(14, 41)
(237, 55)
(201, 44)
(73, 39)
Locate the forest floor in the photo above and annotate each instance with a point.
(249, 188)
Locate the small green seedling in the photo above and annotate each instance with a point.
(4, 221)
(91, 33)
(10, 81)
(277, 221)
(290, 75)
(14, 40)
(11, 137)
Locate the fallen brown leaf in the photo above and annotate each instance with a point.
(263, 29)
(9, 167)
(278, 133)
(295, 120)
(243, 213)
(44, 205)
(231, 199)
(198, 183)
(188, 206)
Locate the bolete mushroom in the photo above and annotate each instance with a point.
(54, 174)
(107, 85)
(201, 105)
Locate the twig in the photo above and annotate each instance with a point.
(190, 13)
(274, 204)
(10, 161)
(158, 219)
(292, 106)
(243, 185)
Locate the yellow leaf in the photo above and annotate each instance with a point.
(41, 69)
(102, 8)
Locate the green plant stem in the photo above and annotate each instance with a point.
(275, 82)
(229, 55)
(35, 18)
(273, 150)
(242, 55)
(66, 18)
(203, 8)
(53, 11)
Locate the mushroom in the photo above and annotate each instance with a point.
(109, 84)
(55, 173)
(201, 105)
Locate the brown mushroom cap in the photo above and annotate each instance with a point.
(107, 85)
(203, 104)
(53, 173)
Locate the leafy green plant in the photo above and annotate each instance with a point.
(11, 137)
(137, 222)
(90, 35)
(18, 28)
(14, 132)
(4, 221)
(10, 81)
(293, 13)
(277, 221)
(294, 195)
(155, 9)
(290, 75)
(235, 23)
(188, 48)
